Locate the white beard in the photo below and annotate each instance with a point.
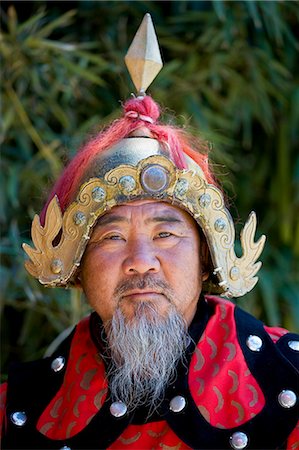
(144, 354)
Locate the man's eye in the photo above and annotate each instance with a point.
(164, 234)
(113, 237)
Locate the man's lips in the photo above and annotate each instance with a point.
(143, 294)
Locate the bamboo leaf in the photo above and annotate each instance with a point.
(219, 7)
(254, 13)
(63, 21)
(84, 73)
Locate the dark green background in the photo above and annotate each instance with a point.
(230, 76)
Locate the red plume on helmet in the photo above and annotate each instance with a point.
(141, 113)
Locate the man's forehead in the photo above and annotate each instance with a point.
(150, 210)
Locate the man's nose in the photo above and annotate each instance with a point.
(141, 258)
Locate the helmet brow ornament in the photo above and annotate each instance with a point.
(135, 168)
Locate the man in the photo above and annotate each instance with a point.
(136, 220)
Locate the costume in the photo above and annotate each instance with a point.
(225, 391)
(238, 385)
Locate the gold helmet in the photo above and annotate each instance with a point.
(138, 158)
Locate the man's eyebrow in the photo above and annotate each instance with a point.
(111, 218)
(164, 218)
(108, 219)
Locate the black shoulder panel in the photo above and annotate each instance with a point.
(274, 372)
(31, 386)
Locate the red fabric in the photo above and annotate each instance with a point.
(293, 441)
(275, 333)
(154, 435)
(225, 392)
(3, 393)
(82, 393)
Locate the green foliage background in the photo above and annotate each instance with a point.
(230, 75)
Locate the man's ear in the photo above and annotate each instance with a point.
(205, 260)
(77, 280)
(205, 275)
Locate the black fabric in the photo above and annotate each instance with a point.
(267, 430)
(283, 345)
(33, 385)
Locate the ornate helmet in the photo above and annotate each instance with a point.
(138, 158)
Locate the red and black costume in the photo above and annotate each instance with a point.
(238, 384)
(228, 388)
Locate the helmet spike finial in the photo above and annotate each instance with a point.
(143, 58)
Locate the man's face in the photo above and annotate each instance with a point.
(143, 252)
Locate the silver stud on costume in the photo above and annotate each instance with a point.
(287, 398)
(98, 194)
(56, 265)
(181, 187)
(79, 218)
(234, 273)
(177, 404)
(294, 345)
(18, 418)
(220, 225)
(238, 440)
(154, 179)
(118, 409)
(204, 200)
(127, 183)
(58, 364)
(254, 343)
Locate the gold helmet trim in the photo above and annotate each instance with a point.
(156, 177)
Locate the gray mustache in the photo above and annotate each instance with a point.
(145, 282)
